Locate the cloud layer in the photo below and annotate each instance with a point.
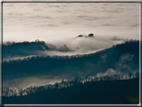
(50, 21)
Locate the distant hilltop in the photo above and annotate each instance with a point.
(115, 38)
(89, 35)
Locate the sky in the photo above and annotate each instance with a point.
(54, 22)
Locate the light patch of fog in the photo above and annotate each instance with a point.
(91, 43)
(47, 79)
(19, 57)
(123, 60)
(76, 45)
(52, 54)
(86, 45)
(126, 57)
(109, 72)
(31, 81)
(74, 53)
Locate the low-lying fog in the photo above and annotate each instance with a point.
(73, 46)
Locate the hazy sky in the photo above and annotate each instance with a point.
(54, 22)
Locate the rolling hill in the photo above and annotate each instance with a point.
(122, 58)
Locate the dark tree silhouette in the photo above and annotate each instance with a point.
(137, 74)
(56, 85)
(91, 35)
(130, 75)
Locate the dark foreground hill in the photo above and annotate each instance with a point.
(95, 92)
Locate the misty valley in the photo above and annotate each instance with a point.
(70, 52)
(41, 73)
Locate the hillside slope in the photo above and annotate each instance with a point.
(122, 58)
(96, 92)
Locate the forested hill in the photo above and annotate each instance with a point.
(13, 49)
(94, 92)
(123, 58)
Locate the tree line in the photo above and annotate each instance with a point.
(65, 84)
